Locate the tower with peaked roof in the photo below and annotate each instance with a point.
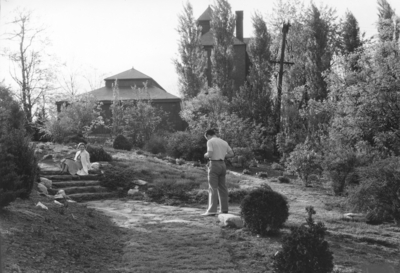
(241, 60)
(129, 83)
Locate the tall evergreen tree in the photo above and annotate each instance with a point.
(192, 63)
(222, 26)
(321, 32)
(254, 99)
(350, 31)
(388, 22)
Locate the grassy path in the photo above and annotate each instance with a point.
(167, 238)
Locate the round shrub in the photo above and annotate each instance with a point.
(304, 249)
(122, 143)
(186, 145)
(264, 211)
(97, 153)
(284, 179)
(155, 145)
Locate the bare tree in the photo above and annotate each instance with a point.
(31, 71)
(94, 78)
(70, 79)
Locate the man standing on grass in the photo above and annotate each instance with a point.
(217, 151)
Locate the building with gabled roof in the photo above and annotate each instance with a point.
(241, 60)
(130, 84)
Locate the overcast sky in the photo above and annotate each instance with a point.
(112, 36)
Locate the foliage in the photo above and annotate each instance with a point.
(339, 164)
(304, 250)
(115, 176)
(304, 161)
(122, 143)
(18, 165)
(264, 210)
(222, 26)
(97, 154)
(192, 63)
(77, 117)
(186, 145)
(141, 119)
(156, 144)
(236, 196)
(379, 190)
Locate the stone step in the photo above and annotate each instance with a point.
(44, 172)
(68, 177)
(88, 189)
(81, 197)
(82, 183)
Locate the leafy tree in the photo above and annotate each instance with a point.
(32, 74)
(117, 111)
(222, 26)
(141, 119)
(192, 63)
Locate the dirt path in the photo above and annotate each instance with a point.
(166, 238)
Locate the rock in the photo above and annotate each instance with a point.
(50, 156)
(95, 166)
(246, 171)
(42, 188)
(276, 166)
(355, 216)
(262, 175)
(180, 161)
(41, 146)
(133, 191)
(139, 182)
(38, 151)
(230, 220)
(40, 205)
(46, 182)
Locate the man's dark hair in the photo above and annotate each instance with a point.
(210, 132)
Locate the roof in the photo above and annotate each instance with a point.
(130, 74)
(208, 40)
(153, 93)
(206, 16)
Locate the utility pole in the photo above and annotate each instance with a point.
(281, 62)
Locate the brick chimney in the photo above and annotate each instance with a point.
(239, 25)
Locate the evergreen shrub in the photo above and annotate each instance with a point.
(97, 154)
(304, 250)
(264, 211)
(284, 179)
(122, 143)
(155, 145)
(237, 195)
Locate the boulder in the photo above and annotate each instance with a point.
(246, 171)
(42, 188)
(38, 151)
(262, 175)
(230, 220)
(180, 161)
(95, 166)
(46, 182)
(133, 191)
(41, 146)
(139, 182)
(49, 156)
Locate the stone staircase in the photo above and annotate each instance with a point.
(78, 188)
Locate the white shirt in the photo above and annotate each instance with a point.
(218, 147)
